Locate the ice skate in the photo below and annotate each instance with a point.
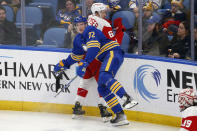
(77, 111)
(120, 119)
(105, 115)
(128, 102)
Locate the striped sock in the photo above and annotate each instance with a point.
(116, 88)
(113, 103)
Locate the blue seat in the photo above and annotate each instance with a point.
(125, 42)
(128, 18)
(167, 5)
(54, 37)
(9, 13)
(124, 4)
(186, 4)
(33, 16)
(33, 21)
(47, 3)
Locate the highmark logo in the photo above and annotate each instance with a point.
(145, 75)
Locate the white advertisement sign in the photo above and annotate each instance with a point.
(156, 84)
(27, 76)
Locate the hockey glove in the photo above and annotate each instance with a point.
(81, 69)
(59, 67)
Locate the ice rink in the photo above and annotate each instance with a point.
(39, 121)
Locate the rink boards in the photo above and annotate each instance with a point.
(27, 84)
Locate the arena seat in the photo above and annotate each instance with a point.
(128, 18)
(186, 4)
(46, 4)
(125, 42)
(54, 37)
(33, 21)
(167, 5)
(9, 13)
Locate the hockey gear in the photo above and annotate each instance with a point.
(189, 119)
(58, 76)
(105, 115)
(77, 110)
(81, 69)
(66, 86)
(97, 7)
(60, 67)
(79, 19)
(128, 102)
(187, 98)
(120, 119)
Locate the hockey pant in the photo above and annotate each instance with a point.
(92, 72)
(108, 87)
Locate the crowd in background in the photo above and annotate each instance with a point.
(166, 24)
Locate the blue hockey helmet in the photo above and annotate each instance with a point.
(79, 19)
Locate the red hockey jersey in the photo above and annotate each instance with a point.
(189, 119)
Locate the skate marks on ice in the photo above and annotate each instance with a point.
(39, 121)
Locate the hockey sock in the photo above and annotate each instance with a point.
(82, 92)
(116, 88)
(113, 103)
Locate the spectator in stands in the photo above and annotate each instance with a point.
(69, 37)
(15, 4)
(4, 2)
(65, 15)
(155, 3)
(88, 6)
(8, 31)
(157, 43)
(148, 25)
(148, 10)
(180, 45)
(173, 16)
(113, 7)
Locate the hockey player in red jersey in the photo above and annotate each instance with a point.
(97, 19)
(188, 106)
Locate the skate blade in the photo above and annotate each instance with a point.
(106, 119)
(77, 116)
(131, 105)
(121, 123)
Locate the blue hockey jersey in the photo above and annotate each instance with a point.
(91, 43)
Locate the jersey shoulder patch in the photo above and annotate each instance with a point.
(98, 22)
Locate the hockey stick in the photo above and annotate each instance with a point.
(58, 76)
(66, 86)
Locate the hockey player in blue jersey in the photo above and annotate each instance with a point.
(92, 43)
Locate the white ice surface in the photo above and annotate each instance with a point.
(38, 121)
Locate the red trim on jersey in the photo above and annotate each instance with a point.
(107, 31)
(82, 92)
(93, 70)
(119, 30)
(189, 123)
